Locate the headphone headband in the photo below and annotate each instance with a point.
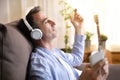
(36, 34)
(27, 24)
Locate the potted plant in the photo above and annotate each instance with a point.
(103, 39)
(65, 12)
(88, 39)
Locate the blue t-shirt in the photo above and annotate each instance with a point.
(45, 66)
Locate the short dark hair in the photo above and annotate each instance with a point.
(22, 27)
(29, 16)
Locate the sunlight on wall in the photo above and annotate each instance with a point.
(113, 23)
(109, 15)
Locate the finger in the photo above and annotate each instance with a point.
(88, 65)
(76, 15)
(90, 74)
(106, 61)
(105, 69)
(72, 16)
(80, 19)
(97, 76)
(99, 65)
(75, 11)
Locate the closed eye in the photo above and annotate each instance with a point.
(45, 20)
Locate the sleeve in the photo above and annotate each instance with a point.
(39, 69)
(75, 58)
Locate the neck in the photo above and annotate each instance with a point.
(45, 44)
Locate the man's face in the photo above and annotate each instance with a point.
(46, 25)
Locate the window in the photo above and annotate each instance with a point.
(109, 19)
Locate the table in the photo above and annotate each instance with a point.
(89, 51)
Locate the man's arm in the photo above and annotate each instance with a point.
(76, 57)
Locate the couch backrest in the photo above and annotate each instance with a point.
(15, 50)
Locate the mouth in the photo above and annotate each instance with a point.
(54, 29)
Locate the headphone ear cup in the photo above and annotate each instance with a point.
(36, 34)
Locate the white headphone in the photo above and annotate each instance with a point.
(36, 34)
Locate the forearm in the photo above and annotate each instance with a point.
(78, 49)
(79, 29)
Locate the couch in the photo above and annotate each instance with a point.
(15, 51)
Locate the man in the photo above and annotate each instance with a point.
(49, 63)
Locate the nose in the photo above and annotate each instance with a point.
(53, 23)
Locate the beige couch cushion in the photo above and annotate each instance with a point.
(15, 52)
